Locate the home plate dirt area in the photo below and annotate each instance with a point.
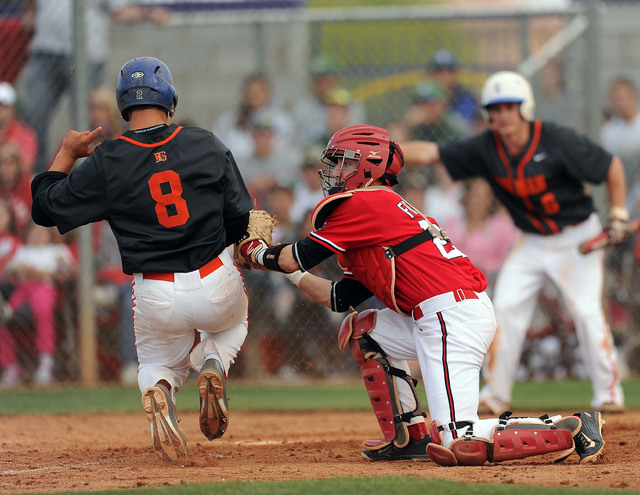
(113, 451)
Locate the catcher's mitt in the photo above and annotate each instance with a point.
(260, 228)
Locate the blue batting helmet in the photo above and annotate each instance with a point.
(145, 81)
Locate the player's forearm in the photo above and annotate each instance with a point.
(63, 162)
(318, 288)
(286, 260)
(616, 184)
(420, 153)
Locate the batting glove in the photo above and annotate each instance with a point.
(618, 226)
(254, 251)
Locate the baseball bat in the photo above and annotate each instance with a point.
(602, 239)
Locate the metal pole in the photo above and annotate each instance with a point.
(86, 314)
(593, 70)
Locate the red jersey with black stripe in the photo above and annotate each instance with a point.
(165, 192)
(543, 188)
(364, 224)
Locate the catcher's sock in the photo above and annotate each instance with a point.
(418, 431)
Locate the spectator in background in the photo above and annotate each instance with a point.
(442, 196)
(337, 114)
(15, 184)
(110, 273)
(13, 130)
(620, 135)
(103, 112)
(49, 73)
(272, 160)
(234, 128)
(482, 215)
(555, 102)
(15, 34)
(307, 190)
(36, 266)
(309, 109)
(429, 117)
(9, 244)
(443, 68)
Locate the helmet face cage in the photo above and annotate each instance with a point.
(357, 156)
(341, 166)
(508, 87)
(145, 81)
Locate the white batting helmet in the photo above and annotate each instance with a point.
(508, 87)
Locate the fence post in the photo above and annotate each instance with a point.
(80, 102)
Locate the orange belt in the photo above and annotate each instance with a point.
(205, 270)
(458, 295)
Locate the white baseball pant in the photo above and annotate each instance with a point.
(580, 280)
(449, 342)
(166, 315)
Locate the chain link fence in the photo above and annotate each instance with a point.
(274, 80)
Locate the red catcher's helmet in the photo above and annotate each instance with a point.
(358, 155)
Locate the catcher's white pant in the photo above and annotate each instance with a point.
(580, 280)
(166, 315)
(449, 342)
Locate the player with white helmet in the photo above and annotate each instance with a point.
(508, 87)
(538, 171)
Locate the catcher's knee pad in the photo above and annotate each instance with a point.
(380, 377)
(514, 441)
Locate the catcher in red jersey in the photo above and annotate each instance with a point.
(175, 200)
(436, 313)
(539, 171)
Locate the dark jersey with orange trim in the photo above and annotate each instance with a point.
(166, 192)
(543, 188)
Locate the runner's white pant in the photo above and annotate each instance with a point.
(449, 342)
(580, 280)
(166, 315)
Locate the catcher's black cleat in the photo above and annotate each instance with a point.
(589, 441)
(214, 405)
(166, 435)
(416, 450)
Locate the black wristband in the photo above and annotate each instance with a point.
(271, 255)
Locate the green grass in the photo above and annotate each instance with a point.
(540, 396)
(356, 486)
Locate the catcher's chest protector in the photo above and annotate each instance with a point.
(370, 266)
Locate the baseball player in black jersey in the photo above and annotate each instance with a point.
(175, 200)
(538, 170)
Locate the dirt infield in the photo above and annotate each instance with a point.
(112, 451)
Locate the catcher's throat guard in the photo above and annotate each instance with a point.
(380, 377)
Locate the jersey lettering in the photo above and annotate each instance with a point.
(407, 209)
(550, 203)
(447, 249)
(171, 207)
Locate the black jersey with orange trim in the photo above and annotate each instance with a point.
(166, 194)
(544, 187)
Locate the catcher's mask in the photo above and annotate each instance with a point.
(358, 155)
